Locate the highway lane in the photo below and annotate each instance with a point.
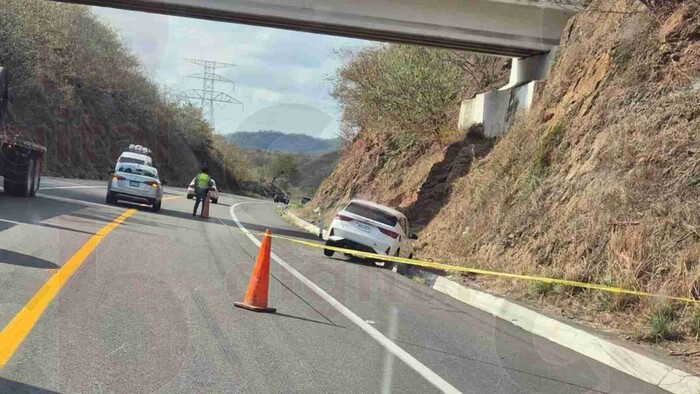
(151, 310)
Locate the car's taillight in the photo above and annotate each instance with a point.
(152, 184)
(389, 232)
(117, 178)
(343, 218)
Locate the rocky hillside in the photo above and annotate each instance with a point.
(313, 169)
(405, 100)
(77, 90)
(598, 183)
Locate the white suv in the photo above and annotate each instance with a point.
(369, 227)
(213, 191)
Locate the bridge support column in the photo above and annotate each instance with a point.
(496, 109)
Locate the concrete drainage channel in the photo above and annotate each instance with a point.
(581, 341)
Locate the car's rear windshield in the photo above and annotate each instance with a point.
(373, 214)
(131, 160)
(137, 171)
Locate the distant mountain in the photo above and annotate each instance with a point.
(275, 141)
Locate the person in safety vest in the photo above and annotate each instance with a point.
(202, 183)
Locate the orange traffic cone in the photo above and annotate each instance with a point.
(205, 208)
(256, 296)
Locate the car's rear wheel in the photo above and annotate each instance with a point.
(328, 252)
(156, 206)
(110, 198)
(190, 196)
(215, 200)
(402, 269)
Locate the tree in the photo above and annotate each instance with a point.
(285, 166)
(484, 71)
(410, 89)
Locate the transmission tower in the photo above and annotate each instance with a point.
(207, 95)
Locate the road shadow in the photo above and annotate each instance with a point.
(280, 231)
(11, 386)
(341, 257)
(306, 319)
(24, 260)
(180, 214)
(437, 187)
(33, 210)
(64, 228)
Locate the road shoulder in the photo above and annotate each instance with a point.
(621, 358)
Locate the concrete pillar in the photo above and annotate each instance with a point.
(496, 109)
(532, 68)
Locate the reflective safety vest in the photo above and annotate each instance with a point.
(202, 181)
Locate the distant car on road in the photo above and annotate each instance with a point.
(370, 227)
(213, 191)
(135, 183)
(284, 199)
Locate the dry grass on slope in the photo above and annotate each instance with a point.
(601, 181)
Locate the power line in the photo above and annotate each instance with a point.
(207, 96)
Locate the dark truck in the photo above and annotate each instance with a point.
(21, 162)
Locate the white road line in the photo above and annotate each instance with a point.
(10, 221)
(73, 201)
(73, 187)
(390, 346)
(389, 358)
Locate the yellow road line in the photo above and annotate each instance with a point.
(23, 322)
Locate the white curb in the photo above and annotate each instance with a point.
(299, 222)
(601, 350)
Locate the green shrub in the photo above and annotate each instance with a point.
(540, 288)
(549, 141)
(695, 324)
(661, 324)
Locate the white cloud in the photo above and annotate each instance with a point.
(266, 95)
(283, 69)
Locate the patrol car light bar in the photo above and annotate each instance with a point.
(140, 149)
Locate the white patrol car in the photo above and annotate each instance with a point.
(135, 183)
(136, 154)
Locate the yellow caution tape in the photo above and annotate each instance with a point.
(454, 268)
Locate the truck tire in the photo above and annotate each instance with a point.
(36, 178)
(9, 186)
(19, 180)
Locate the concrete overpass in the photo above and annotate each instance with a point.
(513, 28)
(529, 31)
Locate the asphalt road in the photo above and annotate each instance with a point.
(151, 310)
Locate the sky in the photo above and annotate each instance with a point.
(280, 76)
